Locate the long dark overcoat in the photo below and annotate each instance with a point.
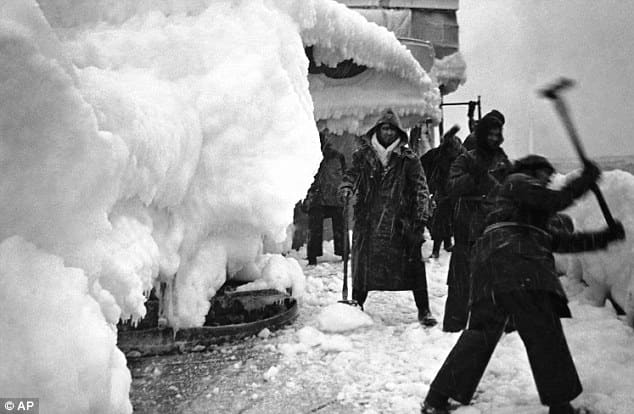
(391, 203)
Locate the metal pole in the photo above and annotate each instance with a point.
(441, 126)
(479, 109)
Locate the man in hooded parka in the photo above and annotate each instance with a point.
(471, 176)
(514, 279)
(390, 214)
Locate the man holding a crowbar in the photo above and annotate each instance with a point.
(390, 213)
(514, 279)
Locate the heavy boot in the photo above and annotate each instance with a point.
(428, 409)
(435, 403)
(426, 319)
(435, 251)
(422, 304)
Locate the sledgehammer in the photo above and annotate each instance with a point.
(553, 93)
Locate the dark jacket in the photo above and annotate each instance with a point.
(470, 142)
(471, 177)
(323, 190)
(389, 216)
(436, 164)
(516, 249)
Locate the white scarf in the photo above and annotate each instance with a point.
(382, 152)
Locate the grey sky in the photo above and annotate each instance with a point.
(514, 47)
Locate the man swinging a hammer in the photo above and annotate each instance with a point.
(514, 280)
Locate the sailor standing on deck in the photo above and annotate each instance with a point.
(390, 213)
(471, 176)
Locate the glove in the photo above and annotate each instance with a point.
(588, 177)
(501, 170)
(345, 194)
(471, 109)
(591, 170)
(615, 232)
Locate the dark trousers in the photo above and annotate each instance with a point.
(540, 329)
(437, 242)
(458, 284)
(420, 297)
(316, 217)
(440, 227)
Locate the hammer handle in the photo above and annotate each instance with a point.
(604, 205)
(563, 112)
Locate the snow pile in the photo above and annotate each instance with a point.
(273, 271)
(609, 272)
(60, 176)
(55, 343)
(311, 337)
(602, 348)
(340, 317)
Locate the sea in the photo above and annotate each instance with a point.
(607, 163)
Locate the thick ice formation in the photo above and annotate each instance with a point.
(55, 343)
(341, 317)
(608, 272)
(353, 104)
(148, 142)
(394, 79)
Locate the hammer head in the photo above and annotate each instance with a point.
(552, 91)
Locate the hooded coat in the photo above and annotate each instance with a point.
(471, 177)
(390, 212)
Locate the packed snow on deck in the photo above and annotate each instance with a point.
(142, 139)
